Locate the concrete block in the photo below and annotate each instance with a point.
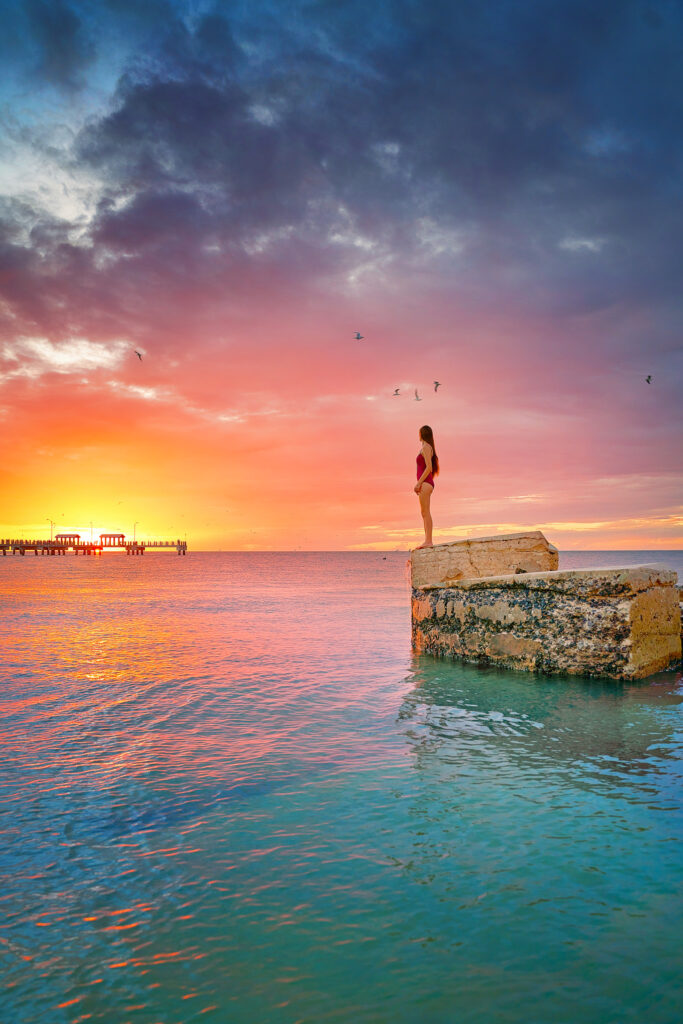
(479, 557)
(617, 622)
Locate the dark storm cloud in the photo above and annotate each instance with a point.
(64, 47)
(195, 134)
(150, 220)
(547, 132)
(488, 103)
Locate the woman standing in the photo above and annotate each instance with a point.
(427, 469)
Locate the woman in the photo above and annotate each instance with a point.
(427, 469)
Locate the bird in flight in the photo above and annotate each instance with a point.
(358, 336)
(396, 392)
(138, 355)
(648, 379)
(417, 397)
(437, 385)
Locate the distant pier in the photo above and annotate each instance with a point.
(65, 542)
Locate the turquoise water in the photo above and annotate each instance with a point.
(230, 793)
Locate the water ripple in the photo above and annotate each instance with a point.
(230, 792)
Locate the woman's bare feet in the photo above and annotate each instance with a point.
(425, 545)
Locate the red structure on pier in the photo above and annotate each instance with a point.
(113, 540)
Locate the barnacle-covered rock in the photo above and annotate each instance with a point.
(622, 623)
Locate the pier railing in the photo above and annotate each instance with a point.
(21, 545)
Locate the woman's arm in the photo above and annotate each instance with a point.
(427, 454)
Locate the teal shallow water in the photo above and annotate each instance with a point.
(231, 794)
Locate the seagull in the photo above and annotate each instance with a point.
(396, 393)
(138, 355)
(648, 379)
(358, 336)
(437, 385)
(417, 397)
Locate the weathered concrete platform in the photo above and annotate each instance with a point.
(482, 556)
(620, 623)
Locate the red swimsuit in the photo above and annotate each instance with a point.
(421, 466)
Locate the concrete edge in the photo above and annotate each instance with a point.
(643, 573)
(468, 541)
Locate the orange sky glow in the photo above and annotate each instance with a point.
(293, 439)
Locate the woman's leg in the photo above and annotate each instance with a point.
(425, 496)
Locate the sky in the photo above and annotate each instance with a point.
(489, 192)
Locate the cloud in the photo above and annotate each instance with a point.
(431, 136)
(147, 394)
(585, 244)
(613, 532)
(64, 49)
(37, 356)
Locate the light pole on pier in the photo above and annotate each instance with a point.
(51, 522)
(91, 532)
(134, 525)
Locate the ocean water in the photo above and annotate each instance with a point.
(230, 794)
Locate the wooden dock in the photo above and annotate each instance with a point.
(72, 542)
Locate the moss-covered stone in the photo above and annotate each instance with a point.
(623, 623)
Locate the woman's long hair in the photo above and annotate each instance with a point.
(427, 435)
